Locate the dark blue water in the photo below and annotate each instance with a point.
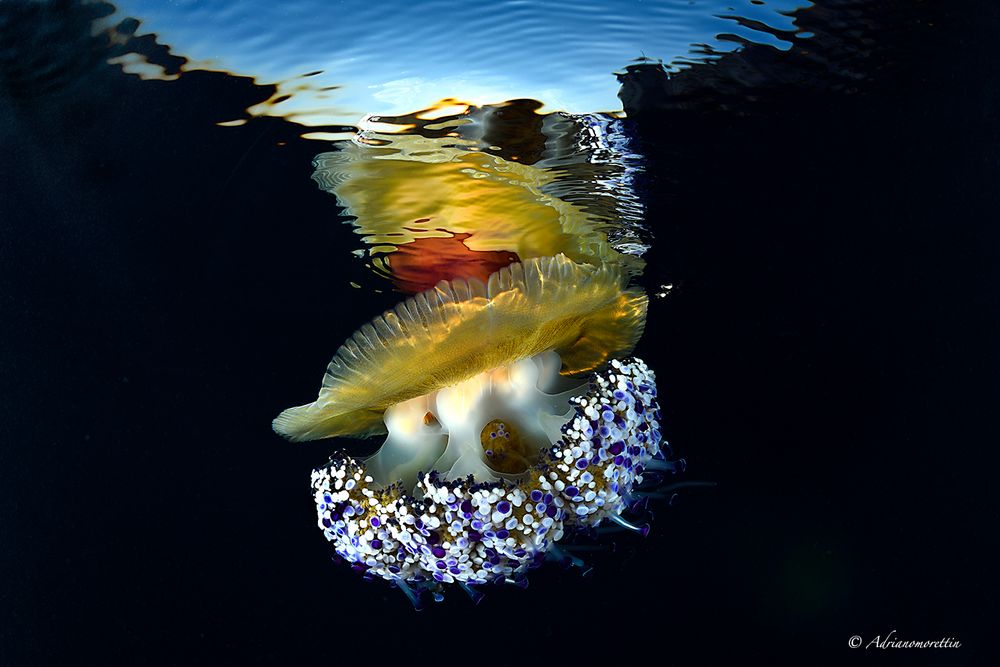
(823, 212)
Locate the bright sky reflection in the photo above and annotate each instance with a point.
(394, 57)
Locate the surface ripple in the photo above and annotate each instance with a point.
(394, 57)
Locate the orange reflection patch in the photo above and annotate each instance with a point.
(424, 262)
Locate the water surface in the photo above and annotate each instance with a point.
(398, 57)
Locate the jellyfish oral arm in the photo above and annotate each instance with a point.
(490, 426)
(468, 532)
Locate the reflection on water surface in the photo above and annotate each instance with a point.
(463, 194)
(335, 62)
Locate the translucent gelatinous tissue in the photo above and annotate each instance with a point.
(463, 328)
(491, 426)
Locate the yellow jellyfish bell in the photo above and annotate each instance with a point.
(462, 328)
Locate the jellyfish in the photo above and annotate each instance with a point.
(513, 415)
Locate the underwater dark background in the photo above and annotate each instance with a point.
(828, 356)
